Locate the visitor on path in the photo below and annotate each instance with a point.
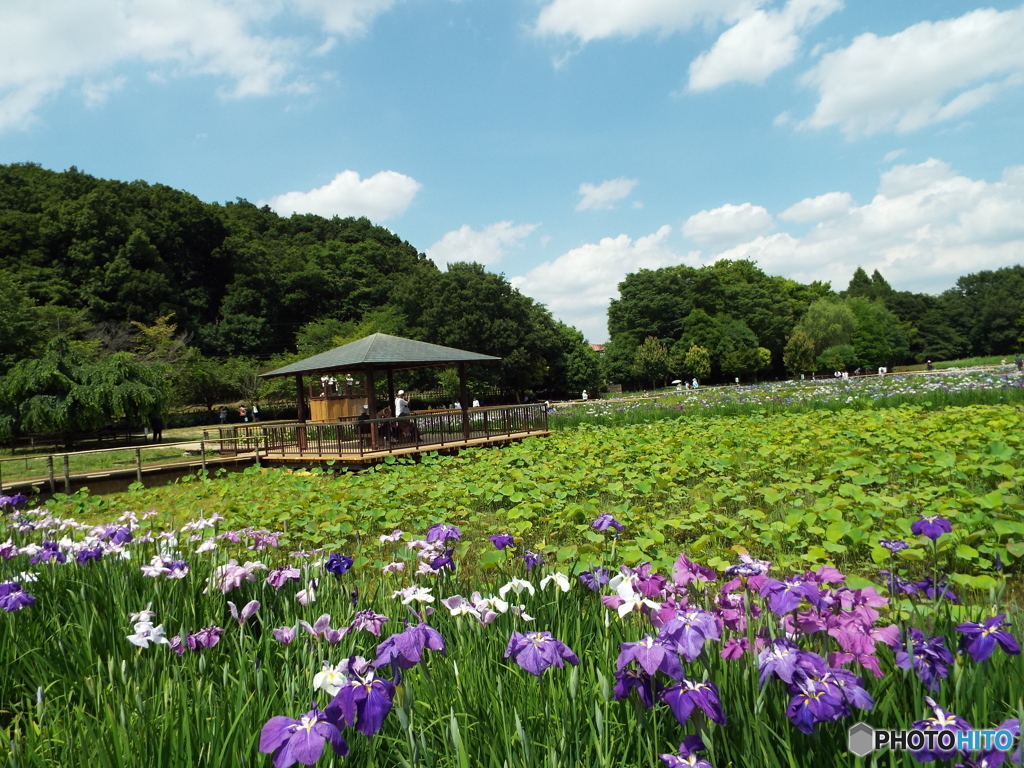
(585, 395)
(930, 366)
(255, 412)
(243, 414)
(363, 424)
(476, 403)
(1019, 362)
(223, 415)
(156, 424)
(406, 426)
(694, 383)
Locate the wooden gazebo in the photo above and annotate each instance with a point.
(336, 436)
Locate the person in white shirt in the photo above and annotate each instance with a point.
(401, 404)
(406, 427)
(476, 403)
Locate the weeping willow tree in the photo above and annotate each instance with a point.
(67, 391)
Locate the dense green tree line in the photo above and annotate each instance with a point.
(134, 269)
(749, 323)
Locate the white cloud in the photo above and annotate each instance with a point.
(894, 154)
(926, 226)
(605, 194)
(728, 224)
(578, 285)
(47, 45)
(347, 17)
(487, 247)
(926, 74)
(589, 20)
(378, 197)
(820, 208)
(762, 42)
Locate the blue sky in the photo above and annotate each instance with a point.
(564, 143)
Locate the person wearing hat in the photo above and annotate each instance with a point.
(406, 427)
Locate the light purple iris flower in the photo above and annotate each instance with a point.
(893, 545)
(285, 635)
(281, 576)
(301, 741)
(595, 578)
(652, 656)
(980, 640)
(785, 596)
(688, 631)
(247, 612)
(368, 621)
(605, 521)
(685, 571)
(536, 651)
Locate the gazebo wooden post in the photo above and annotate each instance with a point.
(300, 413)
(464, 401)
(391, 388)
(371, 400)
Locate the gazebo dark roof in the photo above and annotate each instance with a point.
(383, 352)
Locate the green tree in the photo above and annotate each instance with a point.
(828, 323)
(650, 363)
(22, 327)
(697, 363)
(838, 358)
(799, 355)
(880, 338)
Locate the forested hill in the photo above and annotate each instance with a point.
(240, 279)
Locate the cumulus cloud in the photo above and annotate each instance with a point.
(728, 224)
(762, 42)
(926, 226)
(378, 197)
(605, 194)
(820, 208)
(578, 285)
(928, 73)
(48, 45)
(487, 246)
(589, 20)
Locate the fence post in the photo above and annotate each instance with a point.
(202, 452)
(67, 475)
(138, 464)
(49, 466)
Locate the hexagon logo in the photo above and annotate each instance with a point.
(861, 739)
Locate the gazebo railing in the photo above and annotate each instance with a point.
(350, 437)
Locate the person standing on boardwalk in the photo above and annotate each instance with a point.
(243, 414)
(223, 415)
(255, 412)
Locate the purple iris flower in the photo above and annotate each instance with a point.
(281, 576)
(285, 635)
(50, 551)
(594, 579)
(928, 656)
(362, 703)
(248, 611)
(502, 541)
(647, 687)
(536, 651)
(338, 564)
(605, 521)
(369, 621)
(781, 659)
(119, 535)
(942, 721)
(443, 533)
(786, 596)
(300, 741)
(532, 560)
(404, 650)
(444, 561)
(687, 757)
(980, 640)
(815, 703)
(684, 571)
(688, 631)
(744, 570)
(931, 526)
(207, 637)
(1017, 754)
(652, 656)
(852, 688)
(893, 545)
(685, 696)
(13, 597)
(89, 555)
(13, 501)
(935, 591)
